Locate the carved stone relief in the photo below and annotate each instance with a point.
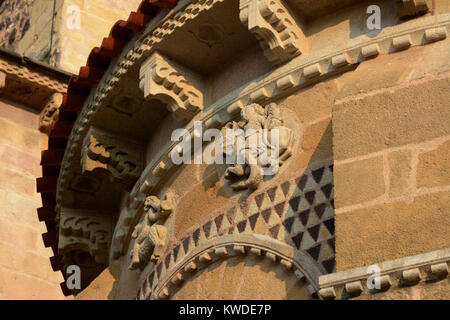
(278, 33)
(256, 148)
(119, 160)
(50, 112)
(84, 237)
(151, 234)
(172, 84)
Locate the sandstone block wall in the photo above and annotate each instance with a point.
(25, 271)
(391, 137)
(96, 17)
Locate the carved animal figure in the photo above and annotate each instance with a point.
(151, 234)
(257, 147)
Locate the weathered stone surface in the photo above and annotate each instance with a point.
(358, 181)
(400, 173)
(17, 182)
(390, 231)
(17, 285)
(433, 168)
(102, 288)
(314, 103)
(383, 72)
(19, 235)
(19, 137)
(412, 114)
(200, 201)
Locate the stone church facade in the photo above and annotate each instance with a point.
(357, 209)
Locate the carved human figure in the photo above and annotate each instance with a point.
(255, 151)
(151, 233)
(50, 112)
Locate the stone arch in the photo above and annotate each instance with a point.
(294, 267)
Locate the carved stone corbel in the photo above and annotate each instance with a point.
(172, 84)
(278, 33)
(105, 154)
(413, 8)
(150, 235)
(50, 112)
(84, 232)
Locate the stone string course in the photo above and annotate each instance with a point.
(34, 77)
(424, 268)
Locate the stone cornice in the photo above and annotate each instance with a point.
(427, 267)
(28, 74)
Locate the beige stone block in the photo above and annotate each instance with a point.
(441, 6)
(317, 145)
(318, 138)
(19, 160)
(17, 182)
(388, 119)
(382, 72)
(20, 209)
(199, 202)
(433, 169)
(19, 114)
(19, 235)
(358, 181)
(19, 137)
(28, 263)
(390, 231)
(16, 285)
(400, 173)
(102, 288)
(232, 278)
(435, 61)
(210, 281)
(313, 103)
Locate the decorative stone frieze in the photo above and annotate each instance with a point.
(278, 33)
(84, 231)
(424, 268)
(171, 83)
(50, 112)
(151, 234)
(35, 77)
(118, 159)
(413, 8)
(255, 119)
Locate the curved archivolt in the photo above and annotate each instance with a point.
(234, 267)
